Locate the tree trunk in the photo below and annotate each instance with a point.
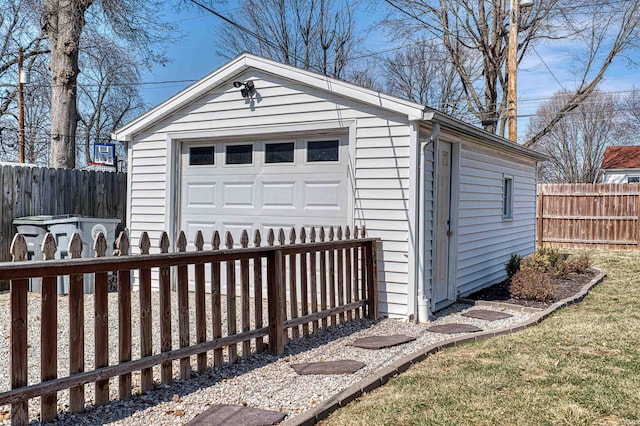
(64, 21)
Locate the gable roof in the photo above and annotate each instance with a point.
(621, 157)
(247, 61)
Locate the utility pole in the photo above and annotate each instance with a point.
(512, 70)
(20, 106)
(512, 66)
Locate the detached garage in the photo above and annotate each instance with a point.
(257, 144)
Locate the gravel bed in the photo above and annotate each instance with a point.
(262, 381)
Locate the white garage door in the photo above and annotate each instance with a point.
(232, 186)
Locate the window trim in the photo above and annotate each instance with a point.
(253, 154)
(507, 197)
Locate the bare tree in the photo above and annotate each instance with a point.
(601, 32)
(424, 74)
(134, 22)
(316, 35)
(576, 144)
(108, 92)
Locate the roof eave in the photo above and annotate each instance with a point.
(468, 129)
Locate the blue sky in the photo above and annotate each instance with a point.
(194, 56)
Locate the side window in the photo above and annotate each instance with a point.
(507, 198)
(279, 152)
(201, 155)
(238, 154)
(322, 151)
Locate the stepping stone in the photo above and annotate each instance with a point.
(381, 342)
(454, 328)
(345, 366)
(485, 314)
(233, 415)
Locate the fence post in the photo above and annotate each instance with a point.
(76, 326)
(48, 333)
(18, 337)
(275, 302)
(372, 280)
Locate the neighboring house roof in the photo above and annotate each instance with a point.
(621, 157)
(246, 61)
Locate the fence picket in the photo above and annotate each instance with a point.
(183, 307)
(232, 326)
(293, 284)
(76, 326)
(166, 370)
(124, 317)
(304, 289)
(201, 320)
(313, 278)
(101, 320)
(340, 271)
(323, 279)
(245, 296)
(48, 332)
(18, 345)
(257, 290)
(332, 276)
(146, 348)
(215, 301)
(356, 290)
(347, 270)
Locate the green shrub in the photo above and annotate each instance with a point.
(579, 263)
(535, 262)
(531, 284)
(513, 265)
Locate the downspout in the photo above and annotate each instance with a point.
(423, 297)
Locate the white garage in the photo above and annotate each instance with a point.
(260, 184)
(448, 201)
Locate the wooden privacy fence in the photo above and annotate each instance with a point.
(31, 191)
(588, 216)
(321, 280)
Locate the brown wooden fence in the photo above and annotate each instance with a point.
(321, 277)
(31, 191)
(588, 216)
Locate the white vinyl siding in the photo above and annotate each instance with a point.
(381, 162)
(485, 240)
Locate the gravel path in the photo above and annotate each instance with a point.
(263, 381)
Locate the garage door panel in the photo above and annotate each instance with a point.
(238, 195)
(278, 195)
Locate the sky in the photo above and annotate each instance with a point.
(543, 72)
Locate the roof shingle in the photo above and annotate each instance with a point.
(621, 157)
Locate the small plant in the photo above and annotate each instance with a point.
(579, 263)
(561, 270)
(513, 265)
(536, 262)
(531, 284)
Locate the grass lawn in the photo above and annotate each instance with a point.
(581, 366)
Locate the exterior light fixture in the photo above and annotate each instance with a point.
(248, 88)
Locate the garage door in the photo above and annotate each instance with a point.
(232, 186)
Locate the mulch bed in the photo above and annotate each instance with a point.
(562, 288)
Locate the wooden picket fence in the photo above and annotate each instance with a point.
(319, 281)
(600, 216)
